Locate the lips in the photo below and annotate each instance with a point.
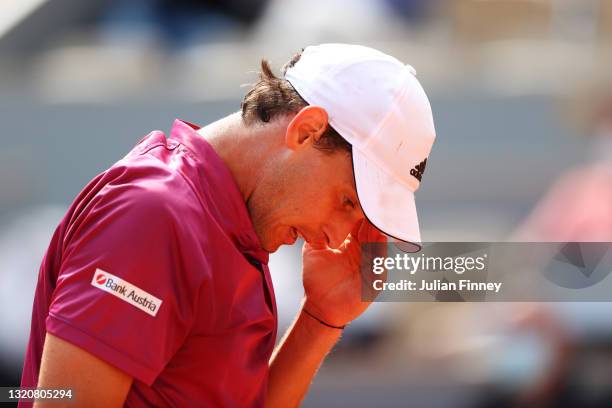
(291, 236)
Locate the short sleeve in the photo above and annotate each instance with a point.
(123, 292)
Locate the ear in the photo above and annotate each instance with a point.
(307, 126)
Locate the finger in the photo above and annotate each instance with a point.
(375, 240)
(371, 243)
(375, 247)
(369, 292)
(356, 228)
(369, 233)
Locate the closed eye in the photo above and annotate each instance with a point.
(349, 204)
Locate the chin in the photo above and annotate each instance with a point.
(273, 245)
(270, 245)
(271, 248)
(272, 239)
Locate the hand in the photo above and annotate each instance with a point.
(333, 280)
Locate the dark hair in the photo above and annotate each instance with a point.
(271, 97)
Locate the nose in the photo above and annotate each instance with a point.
(338, 230)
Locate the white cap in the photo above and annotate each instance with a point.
(376, 103)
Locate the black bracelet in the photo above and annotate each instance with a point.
(322, 322)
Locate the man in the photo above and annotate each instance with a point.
(155, 289)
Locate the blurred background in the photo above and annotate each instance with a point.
(522, 98)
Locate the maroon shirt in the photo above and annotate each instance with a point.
(156, 269)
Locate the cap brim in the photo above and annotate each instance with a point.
(388, 204)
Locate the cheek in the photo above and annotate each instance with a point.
(317, 206)
(315, 191)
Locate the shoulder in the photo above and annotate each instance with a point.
(153, 187)
(136, 195)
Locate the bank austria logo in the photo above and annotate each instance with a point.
(126, 291)
(101, 278)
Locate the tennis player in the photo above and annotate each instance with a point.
(155, 289)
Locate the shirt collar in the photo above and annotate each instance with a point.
(232, 213)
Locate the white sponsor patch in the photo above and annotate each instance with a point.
(126, 292)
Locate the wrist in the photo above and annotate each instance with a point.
(316, 333)
(314, 313)
(321, 321)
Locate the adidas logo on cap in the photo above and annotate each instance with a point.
(418, 170)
